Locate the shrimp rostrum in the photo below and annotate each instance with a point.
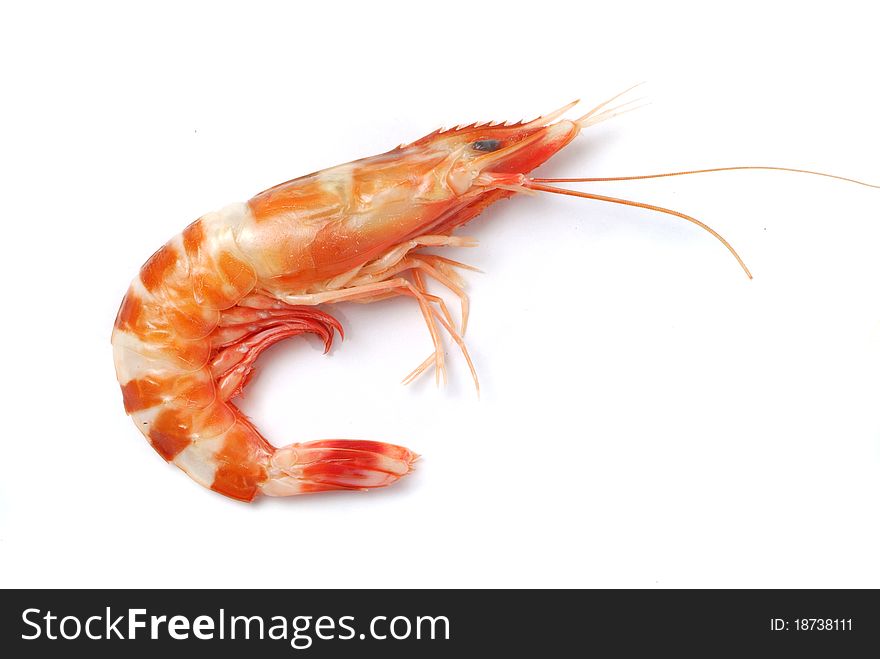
(238, 280)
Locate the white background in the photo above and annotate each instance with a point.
(649, 418)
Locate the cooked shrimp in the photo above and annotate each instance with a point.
(236, 281)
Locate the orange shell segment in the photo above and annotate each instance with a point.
(240, 464)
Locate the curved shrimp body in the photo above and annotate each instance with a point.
(184, 342)
(236, 281)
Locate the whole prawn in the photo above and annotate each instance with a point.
(236, 281)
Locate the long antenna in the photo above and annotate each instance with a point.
(537, 184)
(702, 171)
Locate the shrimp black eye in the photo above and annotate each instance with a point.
(486, 145)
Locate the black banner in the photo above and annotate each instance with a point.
(325, 623)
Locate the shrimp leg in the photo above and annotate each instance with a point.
(392, 288)
(243, 334)
(439, 269)
(377, 291)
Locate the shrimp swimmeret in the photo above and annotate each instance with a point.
(238, 280)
